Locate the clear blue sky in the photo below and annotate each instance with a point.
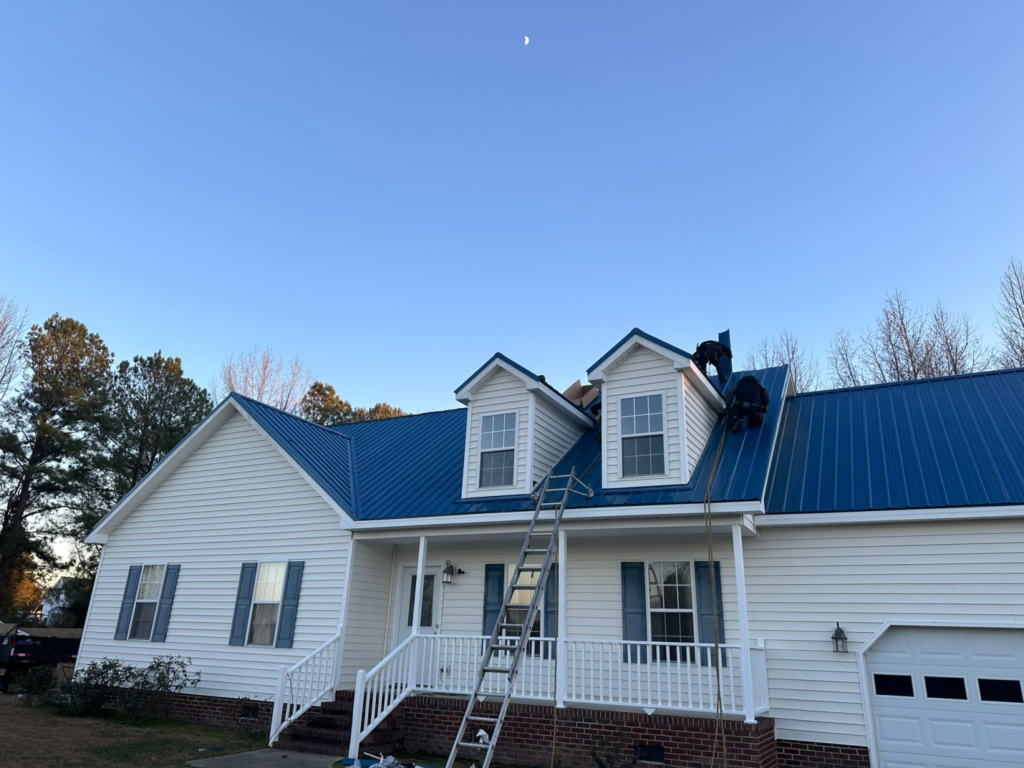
(396, 190)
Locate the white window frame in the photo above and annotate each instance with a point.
(693, 598)
(254, 602)
(135, 605)
(623, 437)
(515, 451)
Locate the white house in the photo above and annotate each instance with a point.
(285, 559)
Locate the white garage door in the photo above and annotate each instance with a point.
(948, 698)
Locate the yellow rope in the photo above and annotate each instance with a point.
(720, 720)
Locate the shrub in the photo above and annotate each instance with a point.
(114, 685)
(36, 682)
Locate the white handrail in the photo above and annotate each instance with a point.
(304, 684)
(382, 689)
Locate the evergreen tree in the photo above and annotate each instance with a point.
(51, 438)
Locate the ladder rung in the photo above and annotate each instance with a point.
(511, 626)
(472, 745)
(523, 586)
(504, 647)
(482, 719)
(536, 551)
(497, 669)
(530, 568)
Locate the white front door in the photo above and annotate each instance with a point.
(430, 616)
(948, 698)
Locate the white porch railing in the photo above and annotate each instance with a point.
(305, 684)
(618, 673)
(649, 675)
(382, 689)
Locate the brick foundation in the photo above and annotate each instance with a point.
(806, 754)
(526, 736)
(428, 724)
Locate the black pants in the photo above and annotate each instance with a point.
(737, 412)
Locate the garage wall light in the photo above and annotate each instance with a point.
(839, 640)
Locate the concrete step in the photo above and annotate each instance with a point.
(311, 747)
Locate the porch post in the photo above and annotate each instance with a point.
(417, 612)
(741, 609)
(561, 662)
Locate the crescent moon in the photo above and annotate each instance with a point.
(526, 40)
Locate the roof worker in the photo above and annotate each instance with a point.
(711, 352)
(747, 398)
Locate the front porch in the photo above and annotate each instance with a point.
(410, 631)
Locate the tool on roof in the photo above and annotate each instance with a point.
(714, 352)
(746, 399)
(507, 644)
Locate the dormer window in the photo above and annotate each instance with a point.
(497, 450)
(643, 436)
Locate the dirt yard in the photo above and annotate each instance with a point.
(37, 738)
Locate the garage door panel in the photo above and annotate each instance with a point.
(958, 726)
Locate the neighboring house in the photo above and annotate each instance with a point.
(56, 599)
(895, 511)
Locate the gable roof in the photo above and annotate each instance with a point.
(948, 442)
(507, 360)
(411, 466)
(325, 454)
(636, 332)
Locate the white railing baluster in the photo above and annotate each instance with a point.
(303, 685)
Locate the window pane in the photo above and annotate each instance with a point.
(263, 628)
(142, 621)
(945, 688)
(627, 406)
(894, 685)
(488, 423)
(1006, 691)
(669, 627)
(152, 578)
(628, 425)
(643, 465)
(497, 468)
(654, 404)
(655, 422)
(629, 448)
(657, 465)
(270, 582)
(641, 406)
(642, 425)
(487, 441)
(427, 611)
(629, 466)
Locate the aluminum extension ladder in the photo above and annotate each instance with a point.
(515, 644)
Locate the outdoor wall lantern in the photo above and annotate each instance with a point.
(839, 640)
(448, 571)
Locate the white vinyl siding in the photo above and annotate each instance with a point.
(367, 624)
(700, 420)
(501, 393)
(801, 581)
(235, 500)
(553, 435)
(594, 579)
(642, 372)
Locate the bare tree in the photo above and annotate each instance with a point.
(1010, 316)
(263, 376)
(785, 349)
(957, 344)
(13, 324)
(844, 360)
(907, 343)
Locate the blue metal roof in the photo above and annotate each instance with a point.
(642, 335)
(947, 442)
(324, 453)
(411, 466)
(491, 359)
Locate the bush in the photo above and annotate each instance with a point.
(36, 682)
(114, 685)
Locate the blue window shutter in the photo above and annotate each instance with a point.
(550, 627)
(705, 608)
(131, 589)
(494, 595)
(240, 622)
(289, 604)
(634, 611)
(163, 610)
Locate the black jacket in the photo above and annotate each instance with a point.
(748, 390)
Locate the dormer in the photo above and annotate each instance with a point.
(517, 428)
(657, 412)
